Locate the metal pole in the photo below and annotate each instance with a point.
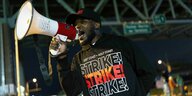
(82, 4)
(129, 4)
(66, 6)
(145, 8)
(185, 6)
(116, 10)
(156, 8)
(172, 9)
(2, 59)
(99, 7)
(17, 65)
(46, 8)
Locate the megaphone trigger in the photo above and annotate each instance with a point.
(61, 37)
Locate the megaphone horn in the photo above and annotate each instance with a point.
(29, 22)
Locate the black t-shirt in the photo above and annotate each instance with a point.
(112, 66)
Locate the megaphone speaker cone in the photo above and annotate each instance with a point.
(24, 19)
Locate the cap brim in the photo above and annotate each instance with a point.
(70, 19)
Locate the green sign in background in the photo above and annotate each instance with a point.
(137, 28)
(159, 19)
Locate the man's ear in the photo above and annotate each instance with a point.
(97, 25)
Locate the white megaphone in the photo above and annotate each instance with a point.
(30, 22)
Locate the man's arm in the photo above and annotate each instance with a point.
(63, 54)
(69, 79)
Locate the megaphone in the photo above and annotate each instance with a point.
(30, 22)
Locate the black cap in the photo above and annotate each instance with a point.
(83, 13)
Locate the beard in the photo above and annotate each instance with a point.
(89, 37)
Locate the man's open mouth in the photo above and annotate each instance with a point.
(81, 34)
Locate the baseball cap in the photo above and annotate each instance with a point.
(83, 13)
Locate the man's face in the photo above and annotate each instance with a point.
(86, 30)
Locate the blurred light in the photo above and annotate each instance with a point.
(170, 78)
(185, 88)
(159, 61)
(34, 80)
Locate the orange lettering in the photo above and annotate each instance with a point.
(104, 76)
(98, 77)
(90, 78)
(108, 73)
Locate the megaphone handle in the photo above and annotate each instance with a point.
(61, 37)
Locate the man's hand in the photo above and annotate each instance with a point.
(57, 46)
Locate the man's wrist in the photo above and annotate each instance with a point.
(62, 55)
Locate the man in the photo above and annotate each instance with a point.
(105, 65)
